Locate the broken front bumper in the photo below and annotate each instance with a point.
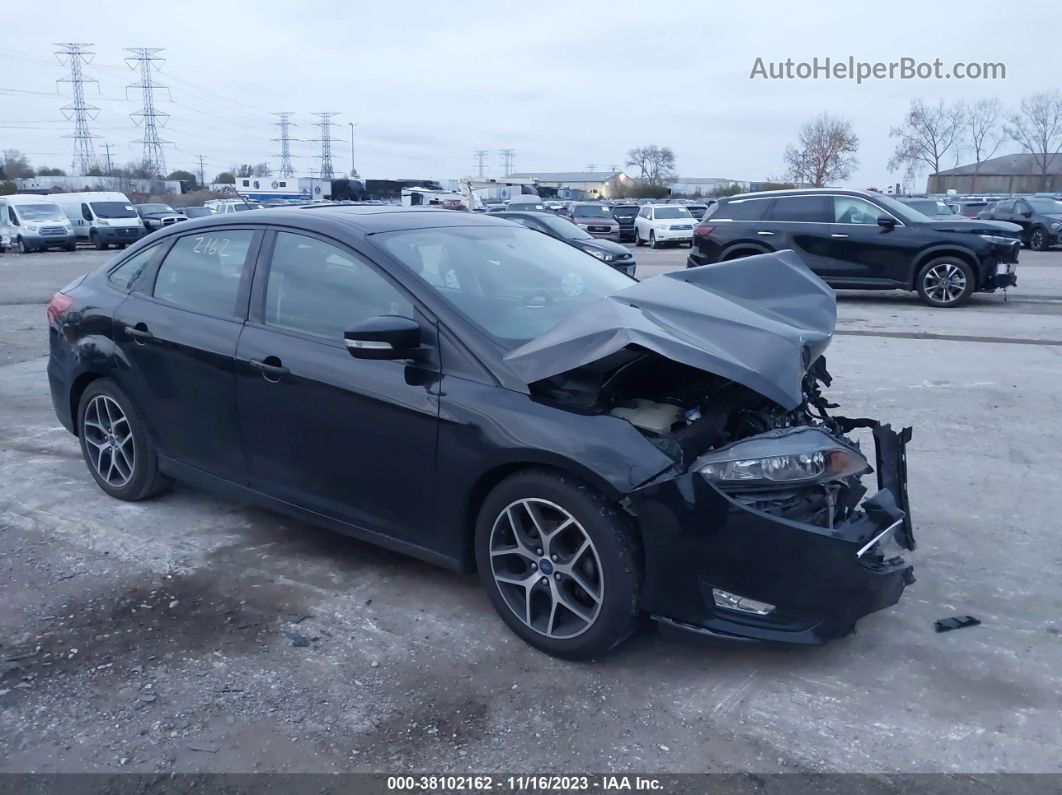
(700, 543)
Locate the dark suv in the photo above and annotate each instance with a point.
(865, 241)
(1040, 219)
(625, 215)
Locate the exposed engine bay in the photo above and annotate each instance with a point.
(688, 414)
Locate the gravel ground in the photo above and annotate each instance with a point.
(190, 633)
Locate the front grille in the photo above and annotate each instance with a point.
(126, 230)
(52, 230)
(681, 226)
(600, 228)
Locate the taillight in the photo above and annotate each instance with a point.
(57, 307)
(702, 229)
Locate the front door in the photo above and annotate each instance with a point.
(864, 253)
(179, 332)
(349, 438)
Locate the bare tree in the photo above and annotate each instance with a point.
(1037, 126)
(14, 164)
(982, 124)
(824, 152)
(654, 163)
(926, 135)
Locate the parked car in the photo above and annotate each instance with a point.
(609, 252)
(1040, 219)
(933, 208)
(625, 215)
(197, 212)
(864, 240)
(156, 216)
(657, 224)
(527, 204)
(697, 209)
(501, 422)
(34, 223)
(595, 218)
(102, 218)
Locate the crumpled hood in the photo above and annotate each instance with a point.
(760, 321)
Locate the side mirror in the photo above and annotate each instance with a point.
(1026, 213)
(384, 337)
(886, 222)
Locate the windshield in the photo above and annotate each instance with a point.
(592, 211)
(39, 212)
(156, 208)
(527, 206)
(672, 212)
(1046, 206)
(902, 211)
(113, 210)
(930, 207)
(513, 284)
(564, 228)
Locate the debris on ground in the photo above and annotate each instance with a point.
(297, 638)
(956, 622)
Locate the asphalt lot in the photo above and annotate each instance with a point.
(158, 636)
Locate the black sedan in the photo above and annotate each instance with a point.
(486, 397)
(614, 254)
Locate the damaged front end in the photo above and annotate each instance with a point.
(761, 529)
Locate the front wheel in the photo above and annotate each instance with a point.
(637, 238)
(115, 443)
(70, 247)
(945, 282)
(1038, 240)
(652, 240)
(559, 563)
(23, 247)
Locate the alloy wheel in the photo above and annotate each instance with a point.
(944, 283)
(546, 568)
(109, 441)
(1037, 242)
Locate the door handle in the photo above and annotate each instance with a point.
(838, 235)
(270, 372)
(139, 333)
(766, 234)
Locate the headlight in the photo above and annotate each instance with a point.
(31, 227)
(101, 222)
(805, 456)
(1055, 227)
(997, 240)
(601, 255)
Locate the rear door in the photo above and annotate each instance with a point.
(803, 224)
(352, 439)
(178, 331)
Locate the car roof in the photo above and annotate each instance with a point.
(367, 219)
(800, 192)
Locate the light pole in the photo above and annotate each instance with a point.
(353, 170)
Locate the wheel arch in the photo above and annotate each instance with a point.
(959, 252)
(491, 477)
(77, 389)
(736, 250)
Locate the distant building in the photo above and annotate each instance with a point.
(576, 184)
(702, 186)
(1005, 174)
(80, 184)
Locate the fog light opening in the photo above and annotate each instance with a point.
(742, 604)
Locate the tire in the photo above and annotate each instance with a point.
(606, 610)
(945, 282)
(99, 428)
(70, 247)
(99, 244)
(1038, 240)
(23, 248)
(637, 238)
(652, 240)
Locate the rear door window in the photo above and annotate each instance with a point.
(805, 209)
(747, 210)
(203, 272)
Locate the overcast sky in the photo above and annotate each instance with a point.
(564, 84)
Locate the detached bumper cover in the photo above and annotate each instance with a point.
(821, 581)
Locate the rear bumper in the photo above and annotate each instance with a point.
(700, 542)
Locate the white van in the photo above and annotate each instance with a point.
(102, 217)
(34, 223)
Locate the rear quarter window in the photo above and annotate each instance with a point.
(129, 271)
(741, 210)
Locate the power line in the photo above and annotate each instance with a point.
(144, 58)
(78, 110)
(481, 156)
(285, 140)
(325, 125)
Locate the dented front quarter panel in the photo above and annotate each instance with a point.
(698, 538)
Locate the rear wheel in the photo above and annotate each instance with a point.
(945, 282)
(115, 444)
(1038, 240)
(560, 564)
